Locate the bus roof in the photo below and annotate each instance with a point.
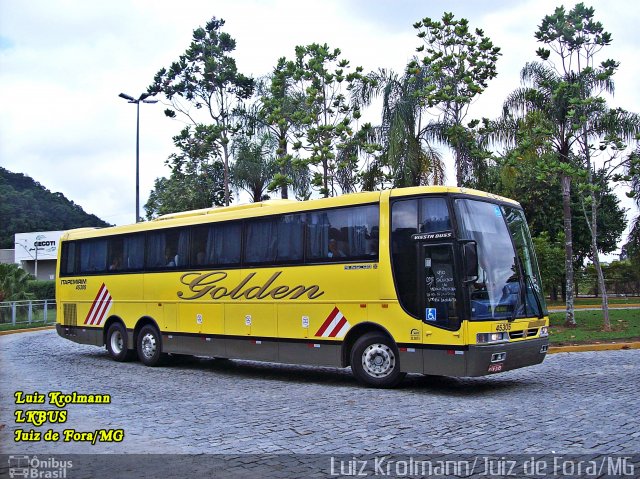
(265, 208)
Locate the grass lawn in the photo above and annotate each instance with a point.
(36, 320)
(34, 324)
(625, 325)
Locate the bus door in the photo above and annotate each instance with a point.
(439, 295)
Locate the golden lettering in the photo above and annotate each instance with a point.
(209, 284)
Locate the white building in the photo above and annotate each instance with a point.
(37, 253)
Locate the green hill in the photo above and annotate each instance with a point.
(26, 205)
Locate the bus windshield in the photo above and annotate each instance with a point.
(508, 283)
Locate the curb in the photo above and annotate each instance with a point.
(594, 347)
(26, 330)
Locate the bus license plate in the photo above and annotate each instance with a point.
(495, 368)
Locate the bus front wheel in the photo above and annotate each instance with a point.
(150, 346)
(375, 361)
(117, 343)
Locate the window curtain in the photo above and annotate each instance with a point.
(133, 251)
(290, 238)
(318, 235)
(156, 248)
(357, 232)
(261, 242)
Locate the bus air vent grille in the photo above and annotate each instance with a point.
(70, 311)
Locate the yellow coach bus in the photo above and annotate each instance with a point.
(431, 280)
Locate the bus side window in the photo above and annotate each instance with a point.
(216, 245)
(167, 249)
(68, 265)
(133, 252)
(93, 256)
(434, 215)
(343, 234)
(260, 239)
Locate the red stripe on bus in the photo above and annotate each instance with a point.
(95, 301)
(99, 306)
(328, 321)
(338, 327)
(102, 310)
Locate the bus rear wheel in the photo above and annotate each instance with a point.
(375, 361)
(150, 346)
(117, 343)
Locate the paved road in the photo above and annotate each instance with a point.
(574, 403)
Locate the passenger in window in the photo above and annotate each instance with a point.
(334, 251)
(116, 264)
(171, 259)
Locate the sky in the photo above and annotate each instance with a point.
(64, 62)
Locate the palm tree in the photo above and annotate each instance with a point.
(407, 157)
(549, 94)
(570, 109)
(255, 164)
(13, 283)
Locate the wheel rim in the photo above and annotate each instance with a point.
(149, 345)
(378, 360)
(117, 342)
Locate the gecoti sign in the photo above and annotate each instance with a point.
(42, 244)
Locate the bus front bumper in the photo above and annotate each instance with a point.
(497, 358)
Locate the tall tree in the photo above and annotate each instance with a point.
(610, 125)
(206, 77)
(456, 67)
(557, 93)
(324, 79)
(529, 172)
(197, 174)
(632, 177)
(576, 38)
(282, 111)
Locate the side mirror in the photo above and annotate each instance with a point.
(470, 261)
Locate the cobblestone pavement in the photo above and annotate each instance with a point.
(577, 403)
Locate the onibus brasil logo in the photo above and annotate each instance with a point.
(26, 466)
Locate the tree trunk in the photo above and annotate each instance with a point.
(568, 249)
(284, 188)
(459, 171)
(325, 177)
(226, 172)
(596, 261)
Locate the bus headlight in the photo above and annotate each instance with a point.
(544, 331)
(489, 338)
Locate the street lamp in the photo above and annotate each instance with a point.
(143, 99)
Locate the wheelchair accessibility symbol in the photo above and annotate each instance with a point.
(431, 314)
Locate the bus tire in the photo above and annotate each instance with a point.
(150, 346)
(375, 361)
(117, 343)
